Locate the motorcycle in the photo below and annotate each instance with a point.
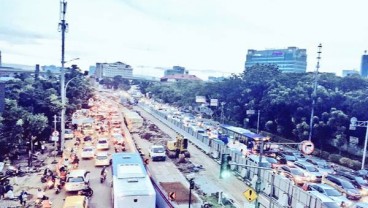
(13, 171)
(58, 186)
(88, 192)
(4, 180)
(50, 183)
(103, 177)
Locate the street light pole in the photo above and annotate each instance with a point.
(191, 186)
(355, 123)
(258, 182)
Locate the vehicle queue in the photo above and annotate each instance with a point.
(343, 186)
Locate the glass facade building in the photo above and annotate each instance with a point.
(291, 59)
(364, 66)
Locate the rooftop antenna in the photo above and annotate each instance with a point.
(314, 94)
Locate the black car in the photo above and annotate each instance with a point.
(363, 173)
(343, 185)
(358, 181)
(285, 157)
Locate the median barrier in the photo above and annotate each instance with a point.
(281, 187)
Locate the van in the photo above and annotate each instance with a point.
(77, 180)
(76, 202)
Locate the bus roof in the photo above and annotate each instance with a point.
(241, 131)
(130, 177)
(128, 165)
(133, 186)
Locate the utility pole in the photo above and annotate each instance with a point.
(63, 26)
(355, 123)
(314, 94)
(222, 113)
(259, 113)
(259, 182)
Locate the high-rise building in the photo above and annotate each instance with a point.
(349, 72)
(175, 70)
(110, 70)
(364, 65)
(291, 59)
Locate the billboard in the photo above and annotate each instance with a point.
(214, 102)
(200, 99)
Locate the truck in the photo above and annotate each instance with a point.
(176, 147)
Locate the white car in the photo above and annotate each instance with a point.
(88, 152)
(117, 138)
(102, 143)
(68, 134)
(77, 180)
(157, 152)
(102, 159)
(116, 131)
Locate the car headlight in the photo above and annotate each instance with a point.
(364, 191)
(298, 178)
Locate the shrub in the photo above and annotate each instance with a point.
(344, 161)
(355, 164)
(334, 158)
(324, 155)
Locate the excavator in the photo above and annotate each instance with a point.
(176, 147)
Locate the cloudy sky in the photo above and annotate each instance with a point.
(198, 34)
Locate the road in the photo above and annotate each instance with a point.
(209, 177)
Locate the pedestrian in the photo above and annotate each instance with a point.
(43, 147)
(2, 192)
(23, 197)
(76, 162)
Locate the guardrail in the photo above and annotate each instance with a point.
(278, 190)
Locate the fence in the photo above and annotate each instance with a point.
(277, 191)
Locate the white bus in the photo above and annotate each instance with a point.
(131, 186)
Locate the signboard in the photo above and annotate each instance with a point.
(307, 147)
(54, 138)
(55, 134)
(251, 112)
(172, 196)
(214, 102)
(200, 99)
(354, 140)
(250, 194)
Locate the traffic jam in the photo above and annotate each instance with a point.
(97, 131)
(335, 185)
(95, 135)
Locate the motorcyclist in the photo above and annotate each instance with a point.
(41, 194)
(103, 173)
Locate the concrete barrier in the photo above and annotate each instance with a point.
(278, 191)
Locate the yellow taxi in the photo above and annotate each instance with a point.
(76, 202)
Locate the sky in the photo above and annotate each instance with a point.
(208, 37)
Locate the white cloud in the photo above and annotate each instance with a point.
(198, 34)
